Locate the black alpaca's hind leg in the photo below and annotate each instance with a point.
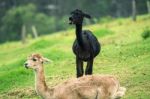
(89, 67)
(79, 67)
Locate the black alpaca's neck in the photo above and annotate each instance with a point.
(79, 35)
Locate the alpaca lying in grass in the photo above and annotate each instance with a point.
(86, 87)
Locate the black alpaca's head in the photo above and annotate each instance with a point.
(77, 17)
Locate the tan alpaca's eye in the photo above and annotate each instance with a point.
(34, 59)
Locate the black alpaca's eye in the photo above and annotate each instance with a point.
(34, 59)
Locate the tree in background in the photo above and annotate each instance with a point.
(26, 20)
(48, 16)
(148, 6)
(134, 10)
(14, 19)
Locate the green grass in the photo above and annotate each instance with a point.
(124, 54)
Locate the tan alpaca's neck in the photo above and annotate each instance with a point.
(40, 84)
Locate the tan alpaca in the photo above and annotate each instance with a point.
(86, 87)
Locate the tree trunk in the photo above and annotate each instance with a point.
(118, 12)
(23, 34)
(148, 6)
(34, 31)
(134, 10)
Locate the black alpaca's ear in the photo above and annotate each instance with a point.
(87, 16)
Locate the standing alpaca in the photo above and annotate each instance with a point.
(86, 87)
(86, 47)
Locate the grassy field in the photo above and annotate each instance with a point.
(124, 54)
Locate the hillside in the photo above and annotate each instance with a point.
(124, 54)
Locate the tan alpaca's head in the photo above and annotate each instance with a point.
(35, 61)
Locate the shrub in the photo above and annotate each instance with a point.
(146, 34)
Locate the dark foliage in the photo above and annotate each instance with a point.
(146, 34)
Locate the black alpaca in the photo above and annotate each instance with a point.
(86, 47)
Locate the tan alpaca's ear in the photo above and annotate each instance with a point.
(46, 60)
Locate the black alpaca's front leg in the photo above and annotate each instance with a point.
(79, 67)
(89, 67)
